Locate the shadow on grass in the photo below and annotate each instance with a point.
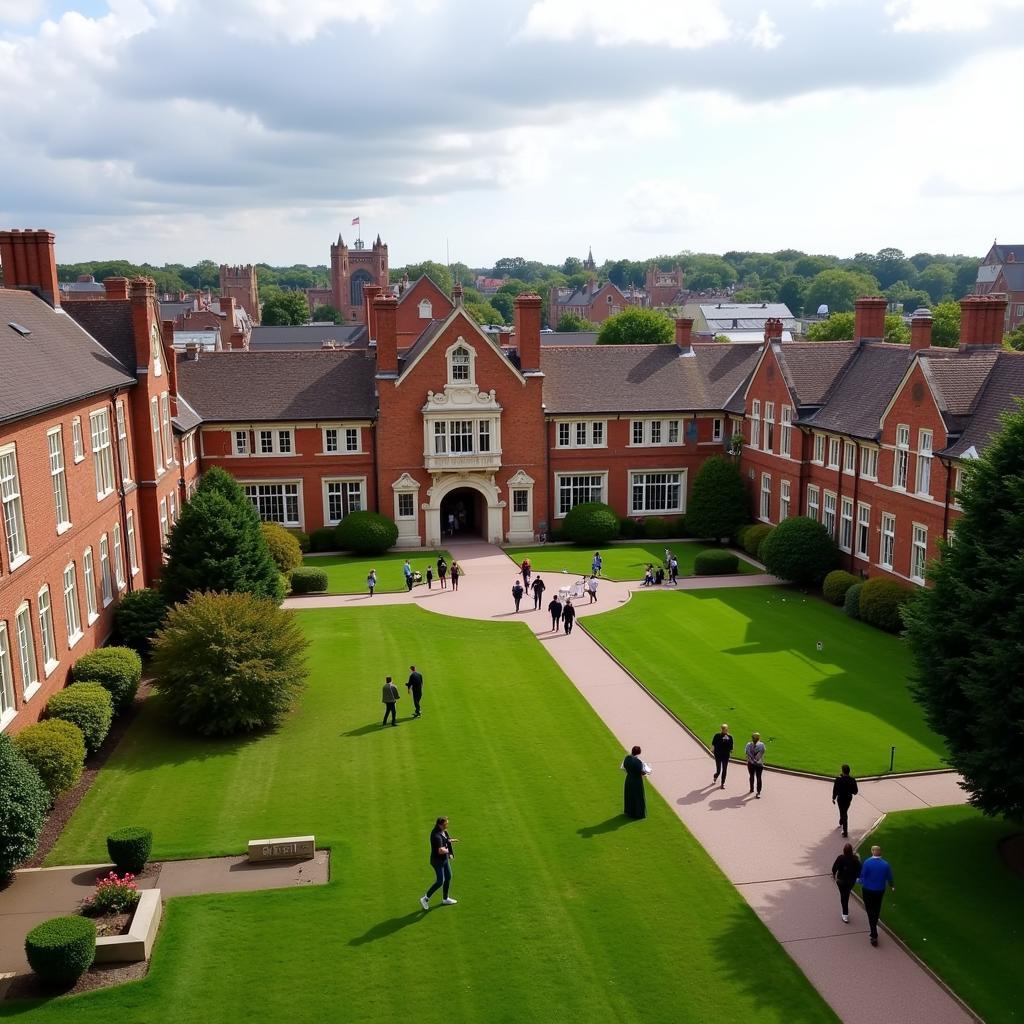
(389, 927)
(608, 825)
(363, 730)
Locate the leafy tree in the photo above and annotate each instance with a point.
(720, 503)
(946, 324)
(937, 281)
(572, 322)
(1015, 339)
(793, 292)
(965, 629)
(636, 326)
(811, 266)
(896, 331)
(217, 545)
(709, 273)
(799, 550)
(205, 274)
(484, 313)
(286, 309)
(838, 327)
(965, 277)
(138, 616)
(437, 272)
(839, 290)
(283, 546)
(572, 265)
(509, 266)
(327, 314)
(890, 265)
(505, 305)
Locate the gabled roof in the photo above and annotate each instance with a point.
(1013, 275)
(56, 362)
(110, 323)
(585, 297)
(307, 337)
(171, 310)
(812, 368)
(434, 286)
(187, 418)
(1004, 385)
(956, 379)
(263, 386)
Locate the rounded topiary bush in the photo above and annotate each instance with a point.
(366, 533)
(61, 950)
(836, 584)
(308, 580)
(799, 550)
(715, 562)
(754, 536)
(590, 523)
(137, 618)
(719, 503)
(880, 602)
(322, 539)
(119, 669)
(851, 602)
(628, 528)
(740, 537)
(56, 750)
(129, 848)
(23, 804)
(87, 705)
(284, 547)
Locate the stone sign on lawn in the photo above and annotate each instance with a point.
(290, 848)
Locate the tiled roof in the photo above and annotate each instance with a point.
(55, 363)
(1005, 384)
(569, 338)
(187, 417)
(956, 378)
(1014, 276)
(110, 323)
(229, 386)
(306, 338)
(811, 368)
(172, 310)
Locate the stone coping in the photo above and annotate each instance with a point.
(138, 943)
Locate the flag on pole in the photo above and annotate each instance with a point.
(355, 221)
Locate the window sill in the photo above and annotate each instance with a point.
(108, 601)
(74, 638)
(135, 570)
(91, 618)
(30, 692)
(100, 495)
(49, 668)
(63, 528)
(656, 512)
(80, 458)
(6, 718)
(18, 562)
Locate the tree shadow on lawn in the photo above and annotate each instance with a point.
(389, 927)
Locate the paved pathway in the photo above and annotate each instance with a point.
(776, 850)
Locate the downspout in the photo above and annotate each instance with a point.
(947, 497)
(376, 467)
(121, 494)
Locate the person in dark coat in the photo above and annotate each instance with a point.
(415, 687)
(442, 572)
(517, 592)
(442, 853)
(527, 570)
(389, 695)
(844, 789)
(555, 607)
(538, 588)
(846, 871)
(568, 616)
(455, 572)
(721, 747)
(430, 578)
(634, 801)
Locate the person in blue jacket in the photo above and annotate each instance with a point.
(875, 875)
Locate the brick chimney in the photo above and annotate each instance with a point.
(116, 289)
(684, 334)
(385, 315)
(869, 318)
(227, 306)
(167, 331)
(370, 293)
(982, 320)
(527, 321)
(143, 299)
(457, 294)
(772, 330)
(29, 262)
(920, 329)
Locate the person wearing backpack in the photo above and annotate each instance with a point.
(517, 592)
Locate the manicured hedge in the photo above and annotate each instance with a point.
(799, 550)
(308, 580)
(23, 804)
(322, 539)
(119, 669)
(56, 750)
(303, 538)
(137, 618)
(284, 547)
(715, 562)
(366, 533)
(129, 848)
(659, 528)
(851, 602)
(631, 529)
(754, 536)
(61, 950)
(836, 584)
(591, 523)
(87, 705)
(880, 602)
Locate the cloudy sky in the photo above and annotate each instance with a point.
(246, 130)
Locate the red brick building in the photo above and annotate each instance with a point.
(352, 269)
(1002, 272)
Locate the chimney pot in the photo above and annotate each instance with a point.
(981, 320)
(684, 333)
(920, 329)
(29, 262)
(116, 288)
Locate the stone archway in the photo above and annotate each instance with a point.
(489, 508)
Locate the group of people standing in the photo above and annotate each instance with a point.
(656, 577)
(519, 589)
(390, 696)
(412, 577)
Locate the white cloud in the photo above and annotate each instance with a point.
(764, 34)
(947, 15)
(302, 22)
(21, 12)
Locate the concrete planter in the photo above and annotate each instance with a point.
(138, 943)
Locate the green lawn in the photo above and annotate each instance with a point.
(567, 911)
(346, 574)
(957, 905)
(748, 656)
(622, 562)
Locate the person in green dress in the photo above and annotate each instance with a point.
(635, 803)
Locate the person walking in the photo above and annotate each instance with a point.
(846, 870)
(371, 581)
(407, 573)
(442, 572)
(721, 747)
(875, 875)
(430, 578)
(415, 687)
(568, 616)
(442, 853)
(555, 608)
(844, 789)
(596, 563)
(389, 695)
(634, 800)
(455, 572)
(673, 571)
(592, 589)
(527, 570)
(538, 589)
(754, 752)
(517, 592)
(451, 524)
(648, 576)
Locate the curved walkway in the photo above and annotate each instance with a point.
(776, 850)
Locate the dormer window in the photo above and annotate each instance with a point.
(460, 363)
(426, 310)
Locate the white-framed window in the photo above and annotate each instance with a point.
(46, 637)
(106, 583)
(849, 457)
(813, 502)
(924, 462)
(275, 503)
(919, 553)
(119, 574)
(769, 426)
(6, 678)
(786, 431)
(755, 424)
(833, 453)
(154, 426)
(828, 513)
(172, 508)
(426, 309)
(331, 435)
(819, 449)
(766, 496)
(102, 452)
(902, 457)
(462, 437)
(77, 444)
(869, 463)
(846, 524)
(188, 448)
(888, 547)
(240, 442)
(123, 454)
(55, 444)
(863, 530)
(156, 350)
(520, 500)
(658, 491)
(165, 526)
(784, 499)
(26, 651)
(352, 439)
(582, 433)
(716, 429)
(71, 613)
(276, 442)
(577, 489)
(89, 583)
(958, 483)
(342, 497)
(133, 554)
(406, 505)
(14, 513)
(652, 433)
(460, 365)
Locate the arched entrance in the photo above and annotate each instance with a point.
(473, 499)
(463, 513)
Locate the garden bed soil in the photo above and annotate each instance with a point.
(28, 986)
(112, 924)
(65, 806)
